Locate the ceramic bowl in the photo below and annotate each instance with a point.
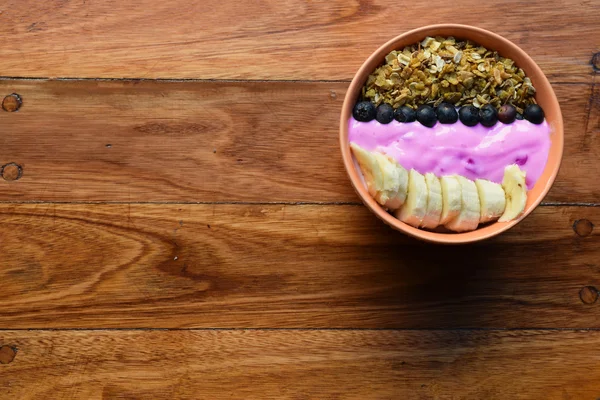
(544, 96)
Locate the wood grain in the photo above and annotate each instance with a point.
(593, 117)
(302, 365)
(213, 142)
(290, 39)
(206, 196)
(263, 266)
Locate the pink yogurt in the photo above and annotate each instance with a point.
(473, 152)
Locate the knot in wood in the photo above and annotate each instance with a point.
(588, 294)
(12, 102)
(596, 62)
(583, 227)
(7, 354)
(11, 172)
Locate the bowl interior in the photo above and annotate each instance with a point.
(544, 96)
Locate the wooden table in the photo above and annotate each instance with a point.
(176, 222)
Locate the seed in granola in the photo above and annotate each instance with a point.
(364, 111)
(426, 115)
(446, 113)
(384, 113)
(534, 114)
(405, 114)
(488, 116)
(469, 115)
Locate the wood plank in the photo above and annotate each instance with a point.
(211, 142)
(217, 364)
(240, 266)
(267, 40)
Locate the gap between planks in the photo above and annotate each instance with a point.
(206, 80)
(257, 203)
(458, 329)
(190, 80)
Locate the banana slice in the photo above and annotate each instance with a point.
(387, 181)
(492, 200)
(403, 182)
(392, 193)
(414, 209)
(369, 167)
(468, 218)
(451, 198)
(514, 186)
(434, 202)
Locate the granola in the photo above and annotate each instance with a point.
(441, 69)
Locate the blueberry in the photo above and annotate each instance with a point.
(519, 117)
(426, 116)
(364, 111)
(405, 114)
(487, 115)
(469, 115)
(534, 114)
(385, 113)
(446, 113)
(507, 114)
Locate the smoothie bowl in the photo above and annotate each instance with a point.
(451, 134)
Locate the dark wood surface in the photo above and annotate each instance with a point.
(302, 364)
(176, 222)
(273, 266)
